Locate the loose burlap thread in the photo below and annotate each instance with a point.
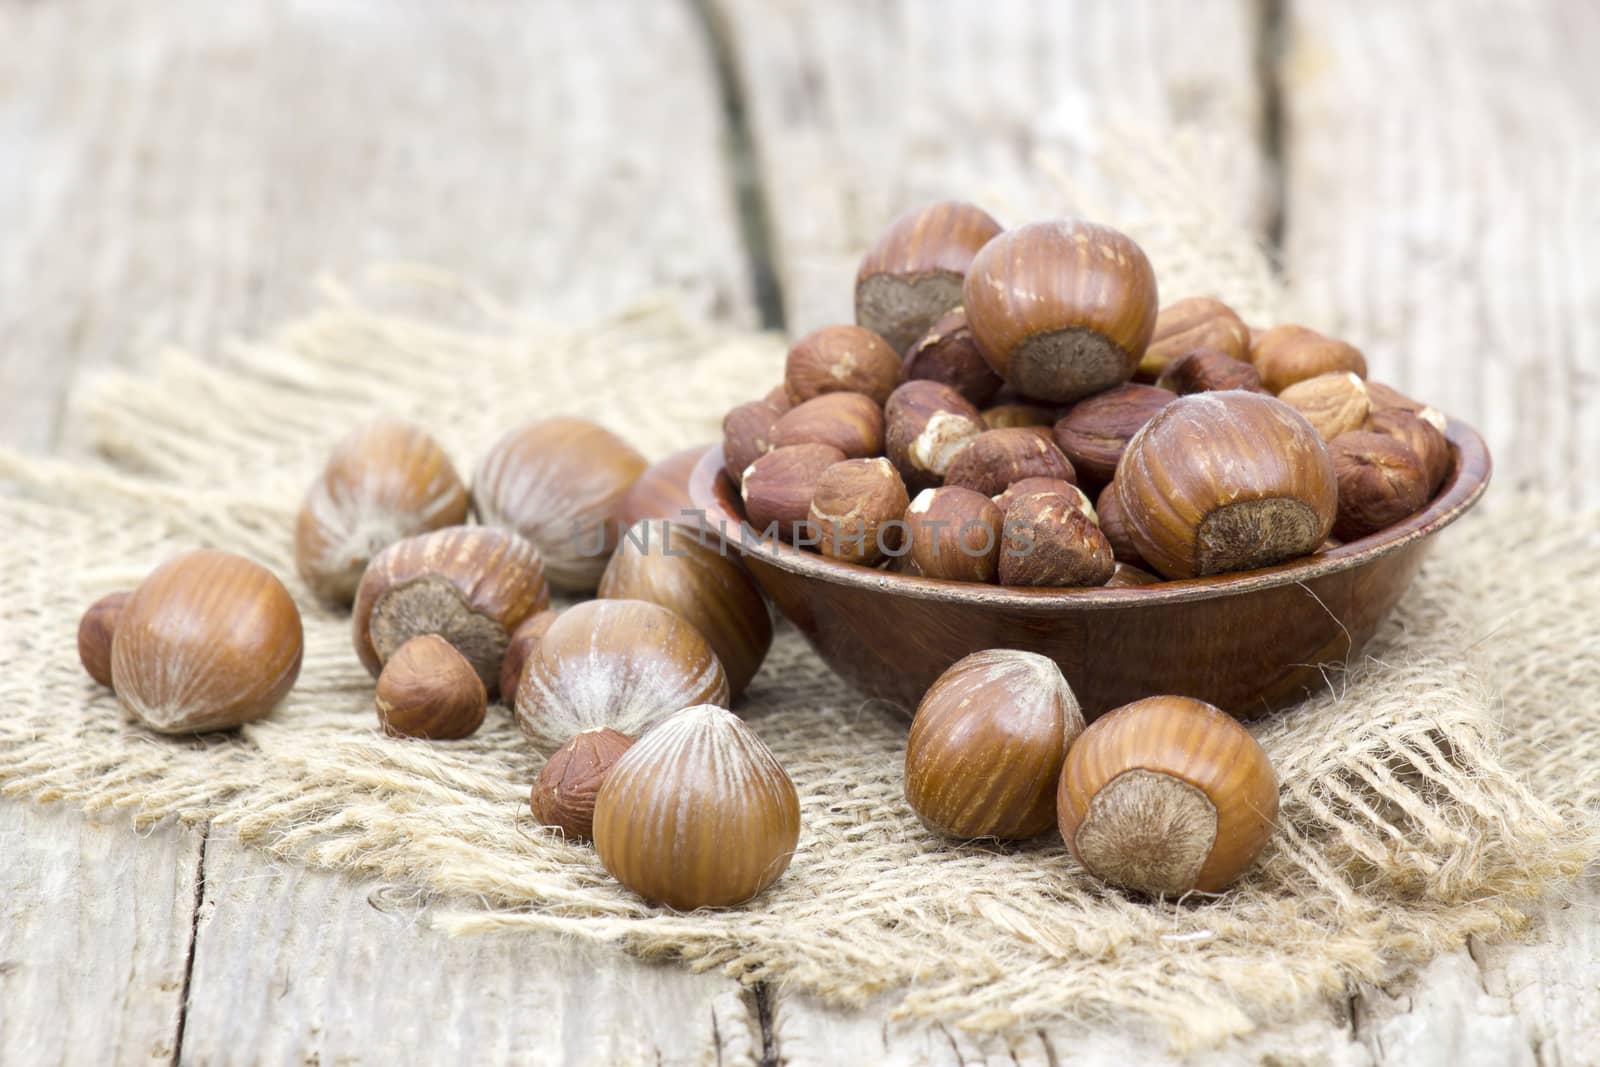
(1437, 789)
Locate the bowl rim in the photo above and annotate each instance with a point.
(1466, 484)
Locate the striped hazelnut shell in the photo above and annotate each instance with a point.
(1226, 481)
(524, 639)
(1167, 795)
(383, 482)
(662, 491)
(698, 813)
(208, 641)
(912, 274)
(987, 745)
(626, 664)
(1061, 309)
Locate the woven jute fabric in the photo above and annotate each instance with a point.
(1436, 789)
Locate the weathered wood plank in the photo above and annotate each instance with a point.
(95, 928)
(294, 966)
(177, 172)
(1442, 191)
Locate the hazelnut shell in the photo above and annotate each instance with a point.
(913, 273)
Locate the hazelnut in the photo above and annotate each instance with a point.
(912, 274)
(856, 511)
(1061, 309)
(693, 577)
(1046, 485)
(850, 422)
(841, 359)
(1332, 403)
(1049, 541)
(1284, 355)
(1165, 796)
(1381, 481)
(1114, 524)
(1387, 397)
(1194, 323)
(563, 795)
(777, 487)
(1206, 369)
(697, 814)
(1094, 432)
(954, 534)
(1225, 481)
(747, 436)
(1019, 416)
(385, 481)
(1128, 576)
(927, 424)
(559, 483)
(987, 745)
(626, 664)
(208, 641)
(997, 458)
(96, 630)
(778, 397)
(947, 353)
(1419, 435)
(471, 585)
(662, 491)
(524, 639)
(429, 690)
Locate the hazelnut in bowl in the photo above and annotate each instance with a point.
(1248, 641)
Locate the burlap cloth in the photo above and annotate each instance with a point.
(1437, 789)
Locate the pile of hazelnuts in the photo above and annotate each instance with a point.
(1014, 406)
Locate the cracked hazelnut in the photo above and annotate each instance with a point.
(1049, 541)
(1094, 432)
(1207, 369)
(1061, 309)
(856, 511)
(747, 436)
(928, 423)
(841, 359)
(1332, 403)
(1189, 325)
(987, 745)
(1419, 435)
(954, 534)
(1381, 481)
(96, 630)
(428, 690)
(997, 458)
(850, 422)
(563, 795)
(948, 354)
(913, 273)
(1225, 481)
(1165, 796)
(1284, 355)
(777, 487)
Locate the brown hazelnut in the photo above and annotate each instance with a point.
(626, 664)
(1381, 481)
(954, 534)
(1387, 397)
(777, 487)
(96, 630)
(1167, 795)
(662, 491)
(912, 274)
(1094, 432)
(1284, 355)
(928, 423)
(524, 639)
(428, 690)
(841, 359)
(1332, 403)
(695, 577)
(208, 641)
(698, 813)
(1049, 541)
(1061, 309)
(1225, 481)
(856, 511)
(559, 483)
(1114, 524)
(1206, 369)
(747, 436)
(1022, 487)
(1419, 435)
(947, 353)
(1019, 416)
(996, 458)
(563, 795)
(778, 397)
(1128, 576)
(987, 746)
(850, 422)
(471, 585)
(385, 481)
(1195, 323)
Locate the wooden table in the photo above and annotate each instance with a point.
(178, 170)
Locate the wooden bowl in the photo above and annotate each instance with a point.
(1247, 642)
